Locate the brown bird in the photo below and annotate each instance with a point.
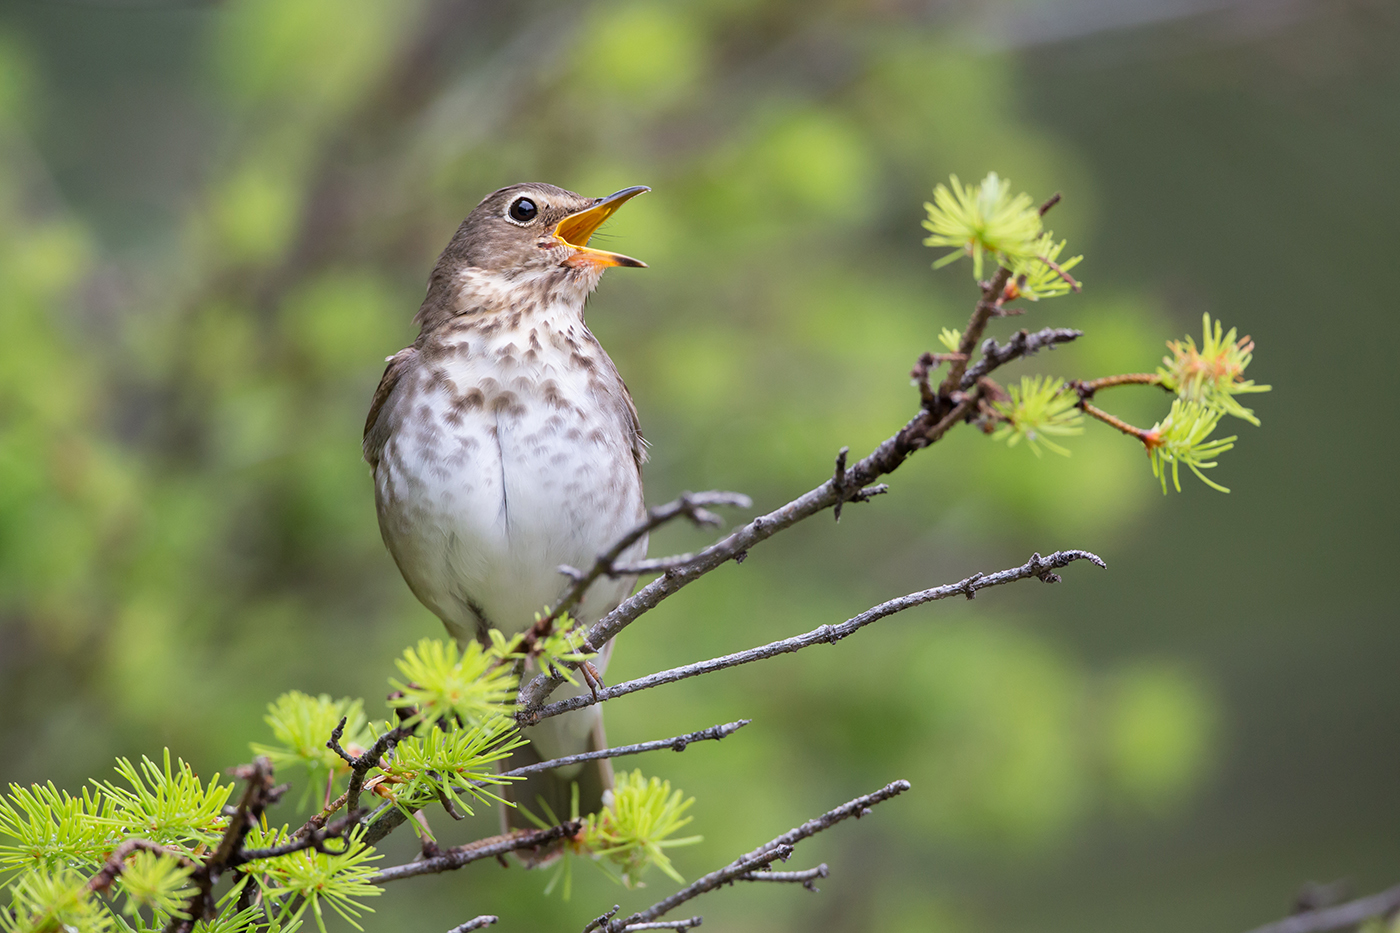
(504, 443)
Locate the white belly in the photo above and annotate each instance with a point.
(503, 470)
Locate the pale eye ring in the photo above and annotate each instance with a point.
(523, 210)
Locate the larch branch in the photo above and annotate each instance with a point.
(1039, 567)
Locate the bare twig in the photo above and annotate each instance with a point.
(847, 491)
(457, 856)
(476, 923)
(1114, 421)
(1087, 388)
(676, 743)
(315, 839)
(804, 878)
(1039, 567)
(601, 919)
(1068, 279)
(665, 925)
(1022, 343)
(926, 364)
(116, 862)
(690, 505)
(993, 293)
(771, 851)
(360, 766)
(1341, 916)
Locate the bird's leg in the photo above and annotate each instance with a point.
(591, 676)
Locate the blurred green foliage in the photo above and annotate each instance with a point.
(186, 528)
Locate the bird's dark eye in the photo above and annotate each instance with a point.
(523, 210)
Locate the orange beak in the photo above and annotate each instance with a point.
(577, 228)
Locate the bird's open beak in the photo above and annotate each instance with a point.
(577, 228)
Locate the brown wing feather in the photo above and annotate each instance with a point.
(375, 439)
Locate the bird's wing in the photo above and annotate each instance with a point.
(639, 443)
(376, 434)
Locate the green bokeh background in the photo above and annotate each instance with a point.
(216, 220)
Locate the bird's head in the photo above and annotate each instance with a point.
(536, 230)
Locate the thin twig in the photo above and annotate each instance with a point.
(316, 839)
(1037, 566)
(457, 856)
(676, 743)
(476, 923)
(1022, 343)
(690, 505)
(992, 295)
(804, 878)
(1337, 917)
(601, 919)
(665, 925)
(116, 862)
(926, 364)
(1087, 388)
(360, 766)
(1068, 279)
(790, 877)
(1147, 437)
(771, 851)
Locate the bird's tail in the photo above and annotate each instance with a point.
(549, 796)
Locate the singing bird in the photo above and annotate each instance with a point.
(504, 443)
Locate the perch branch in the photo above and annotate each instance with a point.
(690, 505)
(492, 846)
(921, 431)
(938, 414)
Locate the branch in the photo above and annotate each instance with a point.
(1335, 918)
(1022, 343)
(259, 794)
(690, 505)
(804, 878)
(771, 851)
(116, 862)
(922, 430)
(1037, 566)
(360, 766)
(677, 743)
(1087, 387)
(1147, 437)
(314, 839)
(987, 308)
(664, 925)
(476, 923)
(457, 856)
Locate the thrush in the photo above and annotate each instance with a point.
(504, 444)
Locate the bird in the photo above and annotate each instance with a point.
(503, 444)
